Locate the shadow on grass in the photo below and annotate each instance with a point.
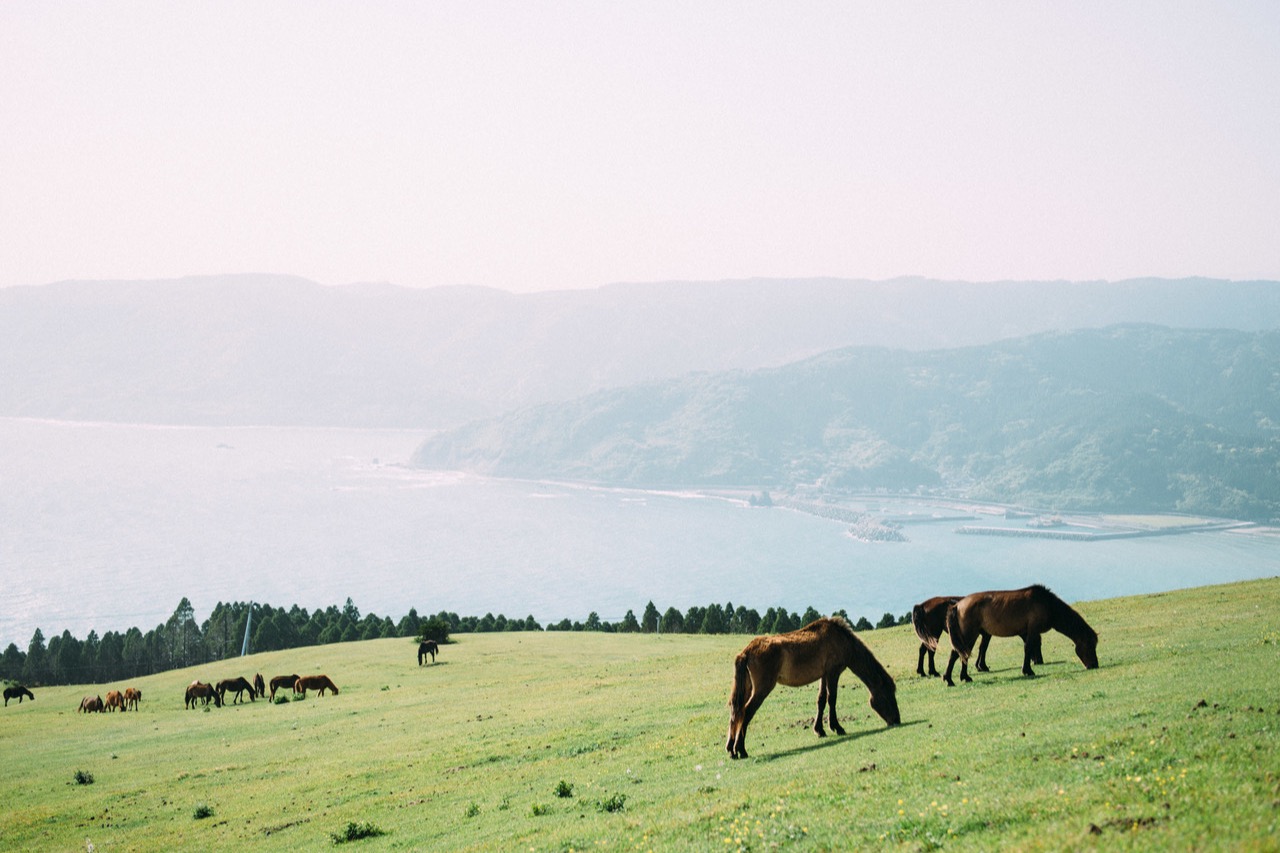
(833, 740)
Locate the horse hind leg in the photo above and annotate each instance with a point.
(981, 665)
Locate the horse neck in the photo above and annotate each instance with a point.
(1067, 621)
(864, 665)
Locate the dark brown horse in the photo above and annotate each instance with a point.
(199, 691)
(1025, 613)
(237, 686)
(427, 647)
(17, 691)
(259, 685)
(91, 705)
(318, 683)
(282, 681)
(819, 651)
(929, 618)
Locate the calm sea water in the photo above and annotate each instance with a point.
(106, 527)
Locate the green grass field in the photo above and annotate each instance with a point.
(564, 741)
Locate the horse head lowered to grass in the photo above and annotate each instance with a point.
(17, 691)
(819, 651)
(1026, 613)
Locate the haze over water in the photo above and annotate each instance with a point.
(107, 527)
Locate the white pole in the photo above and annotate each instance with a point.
(244, 649)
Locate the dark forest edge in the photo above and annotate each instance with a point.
(181, 641)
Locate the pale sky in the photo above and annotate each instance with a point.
(532, 146)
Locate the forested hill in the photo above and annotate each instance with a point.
(279, 350)
(1127, 418)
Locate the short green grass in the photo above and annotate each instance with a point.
(1172, 744)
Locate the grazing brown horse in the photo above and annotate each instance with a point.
(91, 705)
(17, 691)
(929, 618)
(198, 690)
(259, 686)
(132, 696)
(427, 647)
(318, 683)
(237, 686)
(1026, 613)
(282, 681)
(115, 699)
(818, 651)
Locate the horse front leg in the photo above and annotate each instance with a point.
(833, 690)
(1028, 650)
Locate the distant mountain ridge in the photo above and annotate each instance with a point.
(1126, 418)
(257, 349)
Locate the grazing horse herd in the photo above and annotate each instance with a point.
(821, 650)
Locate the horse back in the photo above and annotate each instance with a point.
(1006, 613)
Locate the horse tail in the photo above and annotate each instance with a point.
(962, 644)
(741, 686)
(922, 631)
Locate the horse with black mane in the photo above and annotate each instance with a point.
(237, 686)
(91, 705)
(819, 651)
(929, 619)
(259, 686)
(427, 647)
(1026, 613)
(17, 691)
(199, 691)
(282, 681)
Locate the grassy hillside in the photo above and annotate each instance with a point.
(1171, 744)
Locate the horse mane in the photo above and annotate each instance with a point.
(1065, 617)
(863, 663)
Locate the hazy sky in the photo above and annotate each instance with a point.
(529, 146)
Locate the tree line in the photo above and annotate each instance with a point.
(181, 641)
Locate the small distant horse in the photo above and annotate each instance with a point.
(427, 647)
(91, 705)
(282, 681)
(115, 699)
(17, 691)
(198, 691)
(819, 650)
(258, 685)
(237, 686)
(132, 696)
(318, 683)
(1026, 613)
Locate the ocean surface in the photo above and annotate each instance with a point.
(107, 526)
